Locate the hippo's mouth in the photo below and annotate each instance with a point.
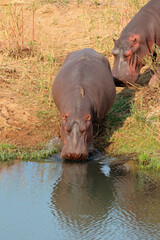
(74, 157)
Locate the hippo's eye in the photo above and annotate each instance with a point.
(126, 55)
(115, 51)
(67, 130)
(114, 54)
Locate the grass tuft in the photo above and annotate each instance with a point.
(9, 152)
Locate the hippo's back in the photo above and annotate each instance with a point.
(90, 71)
(146, 20)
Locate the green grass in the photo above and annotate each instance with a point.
(9, 152)
(121, 108)
(136, 135)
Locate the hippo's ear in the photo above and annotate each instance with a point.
(88, 117)
(114, 40)
(64, 117)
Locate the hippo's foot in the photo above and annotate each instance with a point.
(154, 83)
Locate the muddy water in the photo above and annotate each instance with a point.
(59, 200)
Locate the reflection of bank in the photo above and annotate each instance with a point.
(83, 196)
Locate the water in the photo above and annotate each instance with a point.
(59, 200)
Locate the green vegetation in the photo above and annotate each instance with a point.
(133, 129)
(153, 62)
(9, 152)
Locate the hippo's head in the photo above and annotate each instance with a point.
(127, 60)
(76, 133)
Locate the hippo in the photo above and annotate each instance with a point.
(136, 42)
(83, 91)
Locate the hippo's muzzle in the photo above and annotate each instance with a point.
(74, 157)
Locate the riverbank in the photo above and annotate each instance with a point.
(35, 38)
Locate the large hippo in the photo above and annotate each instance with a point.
(135, 42)
(83, 91)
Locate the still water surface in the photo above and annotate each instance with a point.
(64, 201)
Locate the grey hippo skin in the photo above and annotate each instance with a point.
(135, 42)
(83, 91)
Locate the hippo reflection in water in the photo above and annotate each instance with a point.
(85, 197)
(82, 191)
